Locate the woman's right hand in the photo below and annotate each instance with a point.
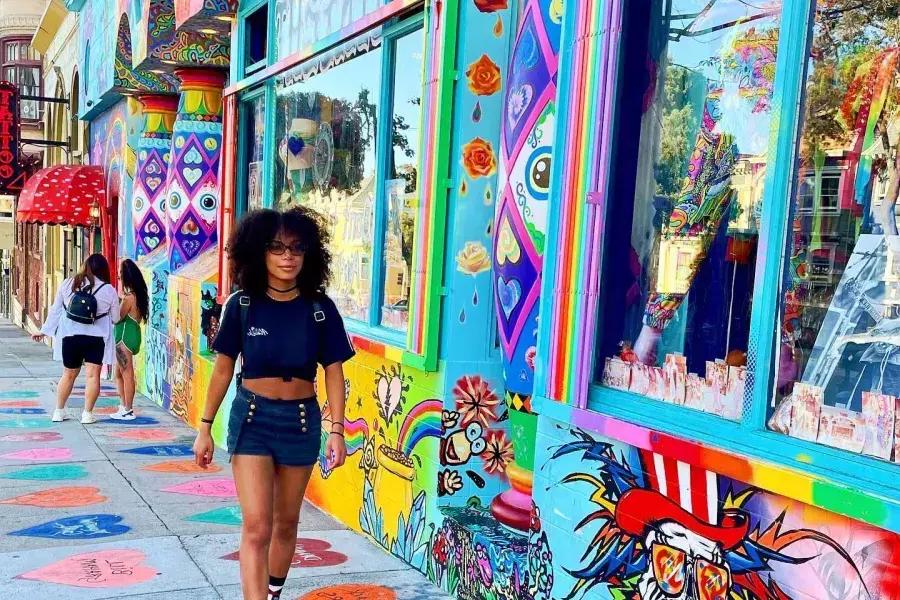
(38, 337)
(203, 449)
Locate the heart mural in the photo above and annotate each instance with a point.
(61, 497)
(23, 411)
(227, 515)
(103, 569)
(310, 552)
(517, 104)
(48, 473)
(183, 467)
(508, 249)
(215, 488)
(80, 527)
(36, 436)
(192, 176)
(19, 403)
(351, 591)
(145, 435)
(193, 156)
(23, 423)
(509, 294)
(164, 450)
(142, 420)
(39, 454)
(18, 394)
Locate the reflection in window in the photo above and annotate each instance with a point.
(255, 116)
(326, 132)
(838, 375)
(402, 185)
(676, 313)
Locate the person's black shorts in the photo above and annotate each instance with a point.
(80, 349)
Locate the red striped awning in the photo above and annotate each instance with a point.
(62, 195)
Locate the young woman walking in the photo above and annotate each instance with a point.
(80, 321)
(282, 325)
(134, 310)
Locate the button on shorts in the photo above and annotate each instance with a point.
(290, 431)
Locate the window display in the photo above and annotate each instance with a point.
(254, 112)
(326, 117)
(675, 324)
(838, 375)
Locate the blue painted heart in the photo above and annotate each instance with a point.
(79, 527)
(509, 293)
(517, 104)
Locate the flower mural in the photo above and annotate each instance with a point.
(479, 158)
(499, 453)
(473, 259)
(484, 76)
(489, 6)
(475, 400)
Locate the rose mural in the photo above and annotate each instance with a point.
(484, 76)
(479, 159)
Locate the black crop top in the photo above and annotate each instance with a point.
(283, 339)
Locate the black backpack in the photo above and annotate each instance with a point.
(83, 306)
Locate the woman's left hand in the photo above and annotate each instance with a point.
(335, 450)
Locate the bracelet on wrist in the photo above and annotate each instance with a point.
(205, 420)
(340, 433)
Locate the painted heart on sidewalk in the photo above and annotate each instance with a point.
(227, 515)
(48, 473)
(19, 403)
(15, 395)
(145, 435)
(135, 421)
(80, 527)
(103, 569)
(22, 411)
(36, 436)
(166, 450)
(23, 423)
(215, 488)
(181, 467)
(310, 552)
(61, 497)
(351, 591)
(39, 454)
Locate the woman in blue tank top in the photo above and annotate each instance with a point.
(283, 326)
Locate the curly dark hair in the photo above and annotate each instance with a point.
(247, 249)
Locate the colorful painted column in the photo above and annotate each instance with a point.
(519, 234)
(192, 190)
(148, 208)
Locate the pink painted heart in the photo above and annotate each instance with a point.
(39, 454)
(19, 404)
(35, 436)
(309, 552)
(103, 569)
(217, 488)
(145, 435)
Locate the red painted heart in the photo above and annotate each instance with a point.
(310, 552)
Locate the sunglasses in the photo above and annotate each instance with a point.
(673, 569)
(278, 248)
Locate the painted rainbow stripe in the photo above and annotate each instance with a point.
(776, 479)
(423, 421)
(377, 348)
(580, 218)
(355, 434)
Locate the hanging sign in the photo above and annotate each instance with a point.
(12, 175)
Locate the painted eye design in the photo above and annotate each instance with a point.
(479, 446)
(473, 431)
(208, 202)
(537, 173)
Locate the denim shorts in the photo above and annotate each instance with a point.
(290, 431)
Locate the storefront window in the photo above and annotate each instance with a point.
(254, 113)
(838, 376)
(679, 262)
(326, 135)
(402, 185)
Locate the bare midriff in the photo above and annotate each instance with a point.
(277, 388)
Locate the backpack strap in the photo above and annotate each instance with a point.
(244, 307)
(93, 293)
(318, 313)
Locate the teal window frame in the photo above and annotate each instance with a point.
(239, 49)
(372, 329)
(245, 120)
(750, 437)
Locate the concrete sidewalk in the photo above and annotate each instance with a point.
(116, 510)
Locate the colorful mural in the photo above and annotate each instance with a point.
(648, 526)
(148, 205)
(192, 190)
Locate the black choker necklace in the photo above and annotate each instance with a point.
(290, 289)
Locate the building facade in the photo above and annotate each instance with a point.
(622, 283)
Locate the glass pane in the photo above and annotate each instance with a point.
(838, 375)
(326, 128)
(254, 112)
(402, 185)
(681, 258)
